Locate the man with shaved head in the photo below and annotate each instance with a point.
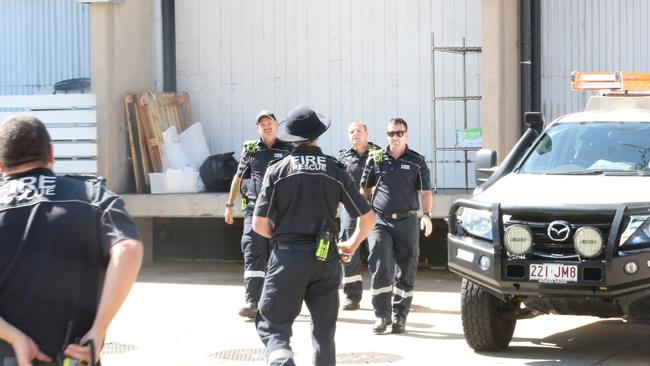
(354, 158)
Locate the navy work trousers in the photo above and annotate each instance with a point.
(352, 281)
(394, 251)
(293, 275)
(256, 253)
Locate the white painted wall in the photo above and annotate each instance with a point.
(588, 35)
(348, 59)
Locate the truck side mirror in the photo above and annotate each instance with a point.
(535, 121)
(486, 162)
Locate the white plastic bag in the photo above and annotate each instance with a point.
(195, 145)
(174, 154)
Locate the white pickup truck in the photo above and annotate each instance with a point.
(562, 226)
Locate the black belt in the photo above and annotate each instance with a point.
(306, 247)
(399, 215)
(11, 361)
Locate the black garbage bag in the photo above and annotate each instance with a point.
(217, 172)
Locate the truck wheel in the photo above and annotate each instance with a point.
(488, 322)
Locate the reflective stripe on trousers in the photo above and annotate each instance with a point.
(402, 293)
(280, 356)
(352, 279)
(379, 291)
(253, 274)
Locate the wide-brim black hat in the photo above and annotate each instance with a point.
(302, 124)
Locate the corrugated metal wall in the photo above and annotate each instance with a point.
(42, 42)
(589, 35)
(365, 59)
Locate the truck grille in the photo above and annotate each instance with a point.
(546, 248)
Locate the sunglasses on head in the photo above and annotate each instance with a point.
(395, 133)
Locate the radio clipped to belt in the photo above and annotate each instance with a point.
(67, 361)
(324, 240)
(244, 197)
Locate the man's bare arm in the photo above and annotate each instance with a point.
(25, 349)
(232, 197)
(263, 226)
(121, 273)
(426, 203)
(365, 223)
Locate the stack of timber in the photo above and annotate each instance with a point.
(147, 116)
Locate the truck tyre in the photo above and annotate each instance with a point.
(488, 323)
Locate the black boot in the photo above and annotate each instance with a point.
(399, 325)
(249, 310)
(380, 325)
(349, 304)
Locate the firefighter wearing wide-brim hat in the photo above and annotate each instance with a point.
(255, 158)
(394, 178)
(297, 208)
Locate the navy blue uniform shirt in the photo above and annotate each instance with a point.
(56, 233)
(397, 181)
(302, 192)
(255, 158)
(354, 163)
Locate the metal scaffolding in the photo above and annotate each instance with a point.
(464, 98)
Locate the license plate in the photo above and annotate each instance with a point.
(553, 273)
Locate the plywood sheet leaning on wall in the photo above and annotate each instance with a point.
(137, 142)
(151, 123)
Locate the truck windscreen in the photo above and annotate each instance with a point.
(618, 148)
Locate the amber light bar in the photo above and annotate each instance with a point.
(615, 81)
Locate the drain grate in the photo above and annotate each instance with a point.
(363, 358)
(242, 354)
(257, 354)
(113, 348)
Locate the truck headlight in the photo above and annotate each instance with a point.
(476, 222)
(518, 239)
(636, 234)
(588, 242)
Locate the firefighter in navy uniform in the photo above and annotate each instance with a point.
(394, 178)
(255, 158)
(69, 253)
(297, 208)
(354, 159)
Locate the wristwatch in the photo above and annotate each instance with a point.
(230, 205)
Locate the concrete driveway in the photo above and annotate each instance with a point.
(186, 314)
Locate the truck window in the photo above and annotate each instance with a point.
(572, 148)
